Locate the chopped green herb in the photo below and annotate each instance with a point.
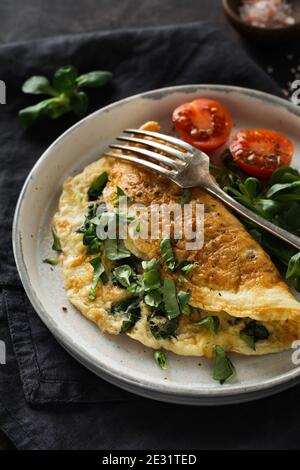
(160, 359)
(115, 250)
(162, 328)
(254, 332)
(183, 300)
(123, 274)
(78, 198)
(99, 274)
(130, 309)
(187, 268)
(137, 227)
(167, 254)
(97, 186)
(56, 246)
(90, 239)
(170, 299)
(123, 217)
(136, 287)
(224, 369)
(52, 261)
(151, 276)
(153, 298)
(185, 198)
(212, 322)
(121, 197)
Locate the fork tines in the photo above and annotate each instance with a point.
(178, 159)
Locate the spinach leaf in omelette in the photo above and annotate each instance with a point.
(161, 327)
(170, 299)
(120, 197)
(99, 274)
(123, 275)
(97, 186)
(130, 309)
(183, 301)
(151, 276)
(254, 332)
(186, 267)
(168, 254)
(185, 198)
(88, 229)
(212, 322)
(115, 250)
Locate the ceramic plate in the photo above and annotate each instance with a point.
(121, 360)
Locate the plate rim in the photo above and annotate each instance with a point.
(179, 395)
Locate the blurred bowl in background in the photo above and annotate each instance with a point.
(259, 34)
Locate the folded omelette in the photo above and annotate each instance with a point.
(236, 297)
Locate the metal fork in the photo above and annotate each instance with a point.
(188, 167)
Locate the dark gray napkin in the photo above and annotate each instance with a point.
(47, 400)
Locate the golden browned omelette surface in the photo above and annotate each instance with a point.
(233, 278)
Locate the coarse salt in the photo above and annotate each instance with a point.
(267, 13)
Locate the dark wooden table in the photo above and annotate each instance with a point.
(22, 20)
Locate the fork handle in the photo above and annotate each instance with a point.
(265, 224)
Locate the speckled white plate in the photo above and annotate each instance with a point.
(121, 360)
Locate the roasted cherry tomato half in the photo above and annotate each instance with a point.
(203, 123)
(259, 152)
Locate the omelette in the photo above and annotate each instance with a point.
(227, 294)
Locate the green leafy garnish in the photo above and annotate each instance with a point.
(65, 93)
(186, 268)
(94, 79)
(185, 197)
(160, 359)
(254, 332)
(153, 298)
(38, 85)
(170, 299)
(56, 246)
(211, 322)
(278, 202)
(183, 300)
(90, 239)
(123, 274)
(52, 261)
(97, 186)
(130, 309)
(293, 267)
(115, 250)
(137, 227)
(151, 276)
(167, 254)
(224, 369)
(99, 274)
(120, 197)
